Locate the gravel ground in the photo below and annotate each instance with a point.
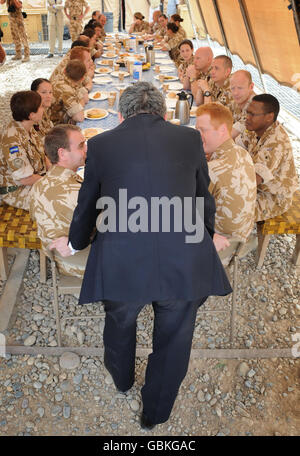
(218, 397)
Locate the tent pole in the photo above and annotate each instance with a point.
(102, 3)
(296, 12)
(202, 17)
(187, 2)
(221, 26)
(252, 43)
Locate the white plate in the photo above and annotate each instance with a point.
(103, 96)
(102, 80)
(109, 56)
(103, 70)
(95, 132)
(95, 118)
(168, 78)
(174, 86)
(115, 74)
(103, 63)
(162, 61)
(167, 70)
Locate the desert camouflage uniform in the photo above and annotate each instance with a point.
(66, 104)
(52, 202)
(58, 73)
(273, 159)
(18, 32)
(144, 26)
(233, 185)
(76, 9)
(239, 115)
(184, 64)
(21, 155)
(160, 32)
(171, 43)
(221, 94)
(45, 125)
(182, 33)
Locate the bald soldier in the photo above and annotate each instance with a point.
(270, 148)
(54, 198)
(200, 69)
(232, 177)
(217, 89)
(74, 12)
(241, 86)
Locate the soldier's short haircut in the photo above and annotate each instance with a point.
(227, 62)
(79, 43)
(140, 98)
(77, 52)
(94, 25)
(270, 103)
(218, 113)
(23, 103)
(246, 73)
(75, 70)
(58, 138)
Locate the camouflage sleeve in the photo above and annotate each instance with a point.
(269, 158)
(239, 141)
(16, 159)
(71, 100)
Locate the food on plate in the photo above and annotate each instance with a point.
(110, 54)
(105, 62)
(103, 70)
(97, 95)
(95, 113)
(172, 95)
(146, 66)
(90, 132)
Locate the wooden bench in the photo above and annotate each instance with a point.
(287, 223)
(19, 231)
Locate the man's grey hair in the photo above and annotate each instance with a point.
(140, 98)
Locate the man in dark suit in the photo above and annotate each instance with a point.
(136, 259)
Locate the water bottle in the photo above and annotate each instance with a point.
(132, 44)
(137, 71)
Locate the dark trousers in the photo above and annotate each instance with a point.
(174, 323)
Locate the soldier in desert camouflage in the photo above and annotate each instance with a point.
(68, 98)
(232, 175)
(54, 197)
(218, 86)
(22, 157)
(74, 12)
(241, 86)
(17, 29)
(270, 148)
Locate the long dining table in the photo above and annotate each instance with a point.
(105, 83)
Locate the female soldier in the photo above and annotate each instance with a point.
(44, 88)
(139, 25)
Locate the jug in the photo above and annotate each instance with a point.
(150, 54)
(182, 110)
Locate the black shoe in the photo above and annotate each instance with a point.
(145, 423)
(49, 56)
(117, 388)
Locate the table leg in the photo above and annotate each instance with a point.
(296, 254)
(43, 267)
(263, 242)
(3, 263)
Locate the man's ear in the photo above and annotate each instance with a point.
(61, 153)
(270, 117)
(120, 117)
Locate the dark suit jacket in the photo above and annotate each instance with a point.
(150, 158)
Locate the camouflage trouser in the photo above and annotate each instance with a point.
(73, 265)
(75, 28)
(18, 33)
(269, 206)
(19, 198)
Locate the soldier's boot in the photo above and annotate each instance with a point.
(26, 58)
(17, 57)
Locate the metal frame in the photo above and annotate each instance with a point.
(187, 2)
(296, 18)
(221, 26)
(244, 12)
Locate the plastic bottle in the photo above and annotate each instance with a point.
(137, 71)
(132, 44)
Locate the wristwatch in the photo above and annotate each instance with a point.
(192, 79)
(207, 93)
